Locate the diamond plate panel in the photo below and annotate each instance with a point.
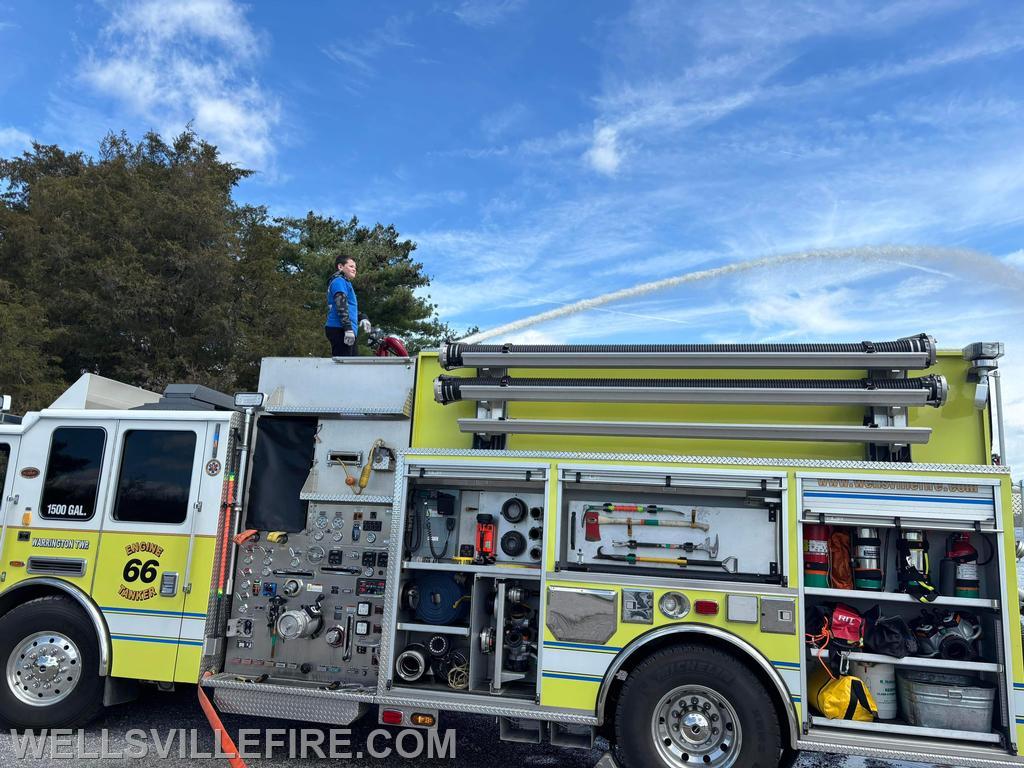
(290, 703)
(978, 469)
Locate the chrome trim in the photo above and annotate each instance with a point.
(700, 629)
(94, 614)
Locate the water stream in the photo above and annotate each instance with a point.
(973, 265)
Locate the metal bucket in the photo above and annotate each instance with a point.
(946, 701)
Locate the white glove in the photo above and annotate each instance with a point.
(350, 338)
(364, 325)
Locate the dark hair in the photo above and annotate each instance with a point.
(342, 261)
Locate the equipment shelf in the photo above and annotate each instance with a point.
(899, 597)
(917, 661)
(433, 629)
(490, 570)
(909, 730)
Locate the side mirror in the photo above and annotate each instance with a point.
(5, 403)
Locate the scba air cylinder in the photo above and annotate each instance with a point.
(867, 564)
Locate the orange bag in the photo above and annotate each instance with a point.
(840, 568)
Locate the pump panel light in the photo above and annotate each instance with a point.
(674, 605)
(248, 399)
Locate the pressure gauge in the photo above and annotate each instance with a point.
(321, 522)
(266, 570)
(367, 572)
(243, 608)
(245, 586)
(318, 535)
(315, 554)
(337, 536)
(371, 537)
(295, 562)
(247, 559)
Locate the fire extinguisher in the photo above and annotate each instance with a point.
(816, 555)
(868, 570)
(960, 568)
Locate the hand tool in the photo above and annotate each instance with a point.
(730, 564)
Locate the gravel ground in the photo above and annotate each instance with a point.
(477, 743)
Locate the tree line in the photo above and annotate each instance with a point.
(139, 264)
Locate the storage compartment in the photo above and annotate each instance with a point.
(902, 586)
(486, 645)
(694, 526)
(468, 602)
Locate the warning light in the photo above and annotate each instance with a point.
(706, 607)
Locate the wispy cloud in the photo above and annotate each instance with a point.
(189, 62)
(498, 124)
(13, 141)
(361, 54)
(486, 13)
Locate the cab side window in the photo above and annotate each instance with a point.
(5, 457)
(155, 477)
(73, 473)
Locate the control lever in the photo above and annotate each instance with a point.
(348, 639)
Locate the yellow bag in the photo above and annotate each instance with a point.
(842, 698)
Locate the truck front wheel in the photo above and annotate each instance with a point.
(697, 706)
(51, 659)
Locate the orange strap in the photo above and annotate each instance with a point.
(227, 744)
(244, 536)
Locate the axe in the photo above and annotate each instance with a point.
(592, 522)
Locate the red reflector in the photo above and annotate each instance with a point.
(706, 607)
(391, 716)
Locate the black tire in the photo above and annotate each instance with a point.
(740, 696)
(85, 700)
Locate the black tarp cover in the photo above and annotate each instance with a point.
(282, 457)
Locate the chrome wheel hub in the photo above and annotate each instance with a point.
(695, 725)
(43, 668)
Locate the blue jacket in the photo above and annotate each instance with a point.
(335, 319)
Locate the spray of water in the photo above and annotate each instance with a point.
(978, 266)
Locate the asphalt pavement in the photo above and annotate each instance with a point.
(476, 742)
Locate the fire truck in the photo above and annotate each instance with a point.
(708, 554)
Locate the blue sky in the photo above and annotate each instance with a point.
(545, 152)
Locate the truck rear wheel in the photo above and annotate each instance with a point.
(694, 705)
(50, 657)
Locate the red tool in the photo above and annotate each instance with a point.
(486, 533)
(592, 522)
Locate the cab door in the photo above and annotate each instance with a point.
(148, 536)
(8, 502)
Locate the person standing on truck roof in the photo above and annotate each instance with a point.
(343, 319)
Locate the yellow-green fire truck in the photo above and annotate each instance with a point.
(706, 554)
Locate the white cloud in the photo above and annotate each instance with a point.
(604, 155)
(191, 61)
(486, 13)
(13, 141)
